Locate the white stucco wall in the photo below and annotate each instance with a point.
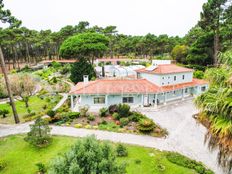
(167, 79)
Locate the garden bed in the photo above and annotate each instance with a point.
(116, 118)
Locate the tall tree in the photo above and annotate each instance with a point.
(211, 20)
(87, 45)
(6, 17)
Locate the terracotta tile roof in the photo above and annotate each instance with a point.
(126, 86)
(195, 82)
(115, 86)
(60, 61)
(166, 69)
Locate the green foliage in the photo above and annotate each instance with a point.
(39, 134)
(121, 150)
(179, 53)
(198, 74)
(124, 121)
(91, 117)
(51, 113)
(81, 68)
(146, 125)
(56, 65)
(2, 165)
(4, 112)
(41, 168)
(116, 116)
(103, 112)
(188, 163)
(84, 45)
(136, 116)
(88, 156)
(123, 110)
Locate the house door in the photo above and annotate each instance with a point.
(145, 100)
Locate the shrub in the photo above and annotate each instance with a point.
(198, 74)
(121, 150)
(113, 108)
(104, 122)
(136, 116)
(116, 116)
(124, 121)
(146, 125)
(83, 110)
(4, 112)
(51, 113)
(88, 156)
(123, 110)
(39, 134)
(41, 168)
(73, 115)
(2, 165)
(188, 163)
(91, 117)
(103, 112)
(137, 161)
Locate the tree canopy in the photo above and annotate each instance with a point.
(89, 45)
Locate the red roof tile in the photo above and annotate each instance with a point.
(166, 69)
(126, 86)
(115, 86)
(60, 61)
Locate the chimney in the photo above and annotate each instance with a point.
(86, 79)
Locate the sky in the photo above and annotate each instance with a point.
(132, 17)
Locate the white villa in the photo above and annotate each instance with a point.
(157, 84)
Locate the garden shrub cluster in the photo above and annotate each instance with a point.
(121, 150)
(146, 125)
(188, 163)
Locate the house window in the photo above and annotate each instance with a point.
(174, 78)
(186, 90)
(183, 77)
(203, 88)
(162, 77)
(128, 99)
(162, 83)
(99, 100)
(174, 92)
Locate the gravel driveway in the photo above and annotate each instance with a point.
(185, 134)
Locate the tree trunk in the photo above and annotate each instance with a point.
(216, 48)
(16, 118)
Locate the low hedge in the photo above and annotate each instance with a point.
(184, 161)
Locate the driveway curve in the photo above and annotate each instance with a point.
(185, 135)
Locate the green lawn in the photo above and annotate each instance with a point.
(21, 157)
(35, 104)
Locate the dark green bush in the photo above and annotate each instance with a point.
(116, 116)
(136, 116)
(146, 125)
(88, 156)
(121, 150)
(51, 113)
(103, 112)
(39, 134)
(124, 121)
(123, 110)
(138, 161)
(2, 165)
(113, 108)
(188, 163)
(73, 115)
(41, 168)
(4, 112)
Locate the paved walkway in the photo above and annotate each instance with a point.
(61, 102)
(186, 137)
